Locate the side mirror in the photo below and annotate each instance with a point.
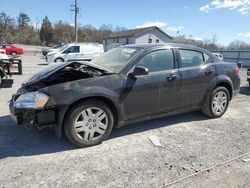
(139, 71)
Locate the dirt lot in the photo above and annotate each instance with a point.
(192, 142)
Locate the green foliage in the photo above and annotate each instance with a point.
(22, 31)
(46, 33)
(23, 20)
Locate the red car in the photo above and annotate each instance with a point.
(11, 49)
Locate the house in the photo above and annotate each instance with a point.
(136, 36)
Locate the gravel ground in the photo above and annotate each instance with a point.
(191, 142)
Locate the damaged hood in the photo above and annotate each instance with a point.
(53, 68)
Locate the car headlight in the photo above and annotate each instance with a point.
(32, 100)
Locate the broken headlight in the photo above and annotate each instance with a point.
(32, 100)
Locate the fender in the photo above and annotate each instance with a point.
(64, 102)
(219, 79)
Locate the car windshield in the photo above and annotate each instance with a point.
(57, 46)
(116, 59)
(62, 48)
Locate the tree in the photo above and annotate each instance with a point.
(23, 20)
(64, 32)
(46, 32)
(5, 21)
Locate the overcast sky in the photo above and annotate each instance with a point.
(228, 19)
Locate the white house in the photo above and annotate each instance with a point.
(136, 36)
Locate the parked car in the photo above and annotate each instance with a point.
(75, 51)
(2, 51)
(53, 49)
(125, 85)
(11, 49)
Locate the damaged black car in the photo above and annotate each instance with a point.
(128, 84)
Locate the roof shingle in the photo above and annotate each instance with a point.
(133, 32)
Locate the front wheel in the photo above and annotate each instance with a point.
(59, 60)
(88, 123)
(217, 103)
(13, 54)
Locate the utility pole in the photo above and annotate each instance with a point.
(76, 9)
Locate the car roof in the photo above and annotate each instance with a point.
(171, 45)
(84, 44)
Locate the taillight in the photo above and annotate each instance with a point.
(237, 70)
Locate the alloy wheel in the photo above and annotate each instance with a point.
(219, 103)
(91, 124)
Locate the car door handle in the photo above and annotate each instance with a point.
(208, 71)
(171, 77)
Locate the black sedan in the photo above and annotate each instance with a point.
(125, 85)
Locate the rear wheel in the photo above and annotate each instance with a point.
(217, 102)
(88, 123)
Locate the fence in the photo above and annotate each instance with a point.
(236, 56)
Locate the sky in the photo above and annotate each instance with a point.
(199, 19)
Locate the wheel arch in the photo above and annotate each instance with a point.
(103, 99)
(216, 82)
(227, 85)
(111, 104)
(59, 58)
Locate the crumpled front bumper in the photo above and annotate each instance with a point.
(40, 118)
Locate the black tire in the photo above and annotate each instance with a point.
(14, 54)
(0, 80)
(73, 114)
(207, 108)
(59, 60)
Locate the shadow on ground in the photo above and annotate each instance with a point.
(7, 83)
(245, 90)
(18, 141)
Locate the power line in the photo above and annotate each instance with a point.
(75, 9)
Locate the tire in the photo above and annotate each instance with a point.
(0, 80)
(14, 54)
(59, 60)
(96, 127)
(217, 103)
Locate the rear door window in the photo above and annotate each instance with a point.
(191, 58)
